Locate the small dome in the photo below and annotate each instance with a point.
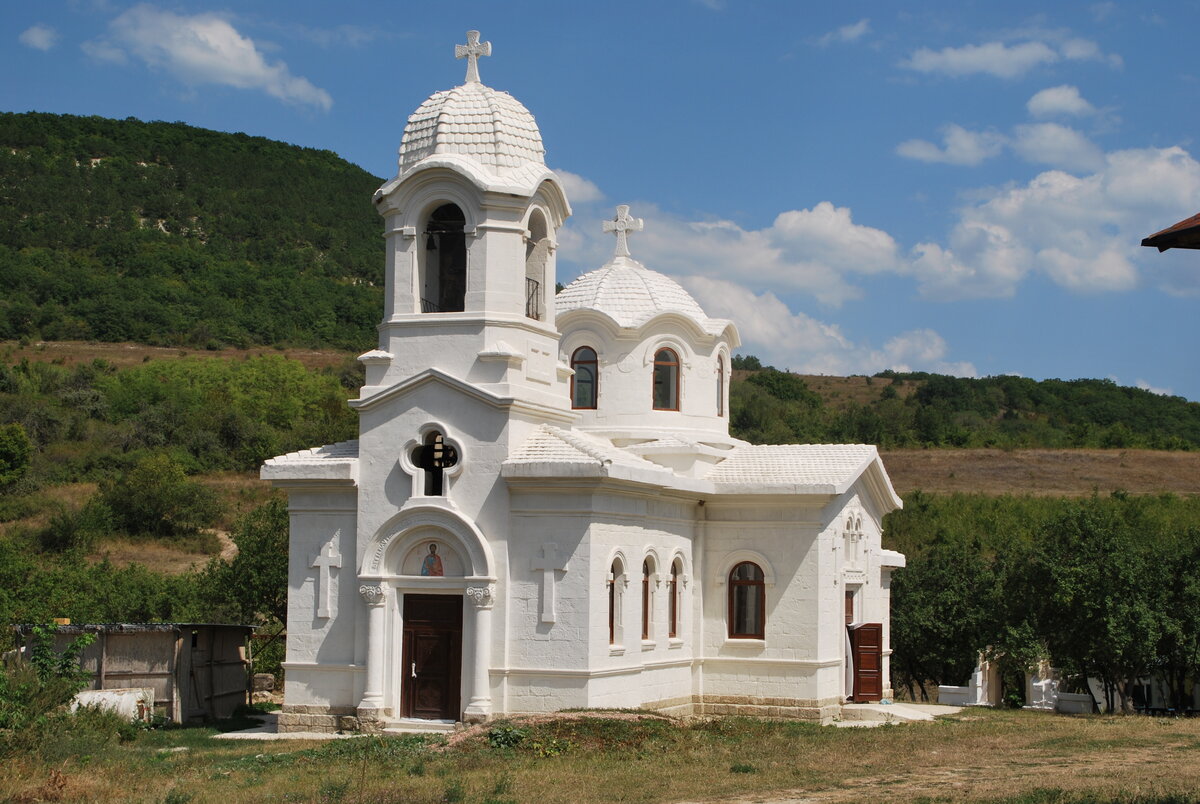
(631, 295)
(476, 121)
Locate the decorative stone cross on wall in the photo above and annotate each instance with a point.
(327, 559)
(471, 51)
(622, 225)
(548, 565)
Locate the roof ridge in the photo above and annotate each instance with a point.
(571, 439)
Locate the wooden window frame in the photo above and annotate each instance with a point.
(595, 364)
(674, 366)
(760, 585)
(646, 600)
(673, 602)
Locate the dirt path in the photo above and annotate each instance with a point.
(1108, 772)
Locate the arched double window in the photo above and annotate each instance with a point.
(666, 380)
(747, 601)
(585, 384)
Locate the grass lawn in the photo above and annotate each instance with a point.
(980, 755)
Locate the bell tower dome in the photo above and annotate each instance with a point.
(471, 224)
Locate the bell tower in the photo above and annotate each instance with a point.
(471, 223)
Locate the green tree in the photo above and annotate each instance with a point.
(155, 498)
(252, 587)
(14, 454)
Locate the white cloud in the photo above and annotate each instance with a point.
(1056, 145)
(846, 33)
(578, 189)
(959, 147)
(1082, 232)
(39, 37)
(1060, 100)
(1003, 60)
(801, 343)
(203, 49)
(992, 58)
(1145, 386)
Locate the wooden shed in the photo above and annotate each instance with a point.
(198, 671)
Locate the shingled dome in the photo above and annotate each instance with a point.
(476, 121)
(632, 294)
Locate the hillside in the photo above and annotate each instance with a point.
(899, 411)
(166, 234)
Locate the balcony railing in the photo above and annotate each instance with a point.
(533, 299)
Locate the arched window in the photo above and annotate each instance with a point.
(747, 601)
(615, 581)
(435, 456)
(585, 384)
(673, 602)
(666, 380)
(444, 280)
(720, 385)
(647, 601)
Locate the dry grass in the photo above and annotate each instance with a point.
(130, 354)
(981, 756)
(1049, 472)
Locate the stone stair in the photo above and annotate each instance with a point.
(416, 726)
(880, 714)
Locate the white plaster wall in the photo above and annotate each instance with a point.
(626, 376)
(795, 659)
(317, 518)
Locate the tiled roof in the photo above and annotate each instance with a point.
(550, 444)
(341, 451)
(632, 294)
(476, 121)
(812, 465)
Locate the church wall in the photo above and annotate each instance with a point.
(570, 662)
(792, 666)
(323, 615)
(626, 367)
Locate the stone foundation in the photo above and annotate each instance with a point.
(822, 711)
(320, 719)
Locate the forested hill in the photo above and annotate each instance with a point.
(904, 410)
(161, 233)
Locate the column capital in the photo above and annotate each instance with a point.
(482, 596)
(372, 594)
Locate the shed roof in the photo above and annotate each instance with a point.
(1185, 234)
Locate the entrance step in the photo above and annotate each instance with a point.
(874, 714)
(417, 726)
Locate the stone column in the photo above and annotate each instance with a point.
(370, 709)
(479, 705)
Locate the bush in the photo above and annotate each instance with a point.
(156, 499)
(34, 690)
(14, 453)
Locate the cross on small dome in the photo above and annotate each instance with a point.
(621, 226)
(471, 51)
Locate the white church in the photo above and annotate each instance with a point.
(544, 508)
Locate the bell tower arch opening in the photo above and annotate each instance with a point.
(443, 277)
(537, 256)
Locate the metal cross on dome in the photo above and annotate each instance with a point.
(622, 225)
(471, 51)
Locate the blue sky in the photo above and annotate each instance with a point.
(957, 187)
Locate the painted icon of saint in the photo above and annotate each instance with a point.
(432, 563)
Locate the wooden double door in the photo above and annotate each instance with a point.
(432, 657)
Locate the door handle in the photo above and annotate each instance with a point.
(414, 669)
